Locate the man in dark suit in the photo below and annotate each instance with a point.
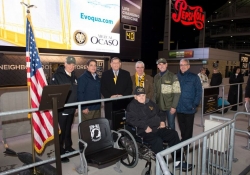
(143, 80)
(115, 82)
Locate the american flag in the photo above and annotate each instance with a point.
(42, 122)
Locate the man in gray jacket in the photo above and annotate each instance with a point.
(167, 91)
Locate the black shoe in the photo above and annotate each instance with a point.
(185, 166)
(69, 150)
(65, 160)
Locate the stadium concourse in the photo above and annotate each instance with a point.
(23, 144)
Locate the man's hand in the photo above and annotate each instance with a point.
(162, 125)
(148, 130)
(172, 110)
(115, 96)
(85, 111)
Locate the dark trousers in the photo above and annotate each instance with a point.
(186, 123)
(155, 139)
(65, 123)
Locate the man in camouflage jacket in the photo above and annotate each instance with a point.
(167, 91)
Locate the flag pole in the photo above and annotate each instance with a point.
(29, 114)
(28, 85)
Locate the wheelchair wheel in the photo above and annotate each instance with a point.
(128, 143)
(146, 171)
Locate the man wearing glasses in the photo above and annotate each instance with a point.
(191, 91)
(142, 80)
(115, 82)
(167, 91)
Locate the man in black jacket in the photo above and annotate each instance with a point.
(65, 75)
(115, 82)
(150, 122)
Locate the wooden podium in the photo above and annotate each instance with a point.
(54, 97)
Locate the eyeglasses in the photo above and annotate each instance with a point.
(183, 65)
(139, 67)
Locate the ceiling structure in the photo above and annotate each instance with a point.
(228, 27)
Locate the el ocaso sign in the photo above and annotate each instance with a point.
(188, 15)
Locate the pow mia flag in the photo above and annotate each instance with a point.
(95, 132)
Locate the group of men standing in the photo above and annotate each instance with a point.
(178, 94)
(115, 82)
(172, 93)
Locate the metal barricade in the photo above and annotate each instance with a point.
(223, 107)
(210, 152)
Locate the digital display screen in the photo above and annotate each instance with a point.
(130, 36)
(86, 25)
(131, 12)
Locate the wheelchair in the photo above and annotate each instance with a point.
(99, 146)
(144, 150)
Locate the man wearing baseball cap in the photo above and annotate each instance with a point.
(65, 75)
(150, 122)
(167, 91)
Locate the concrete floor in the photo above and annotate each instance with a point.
(23, 144)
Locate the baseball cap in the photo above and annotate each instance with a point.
(70, 60)
(139, 90)
(161, 60)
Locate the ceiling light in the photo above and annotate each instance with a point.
(232, 20)
(231, 36)
(208, 21)
(229, 2)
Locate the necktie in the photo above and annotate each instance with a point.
(115, 78)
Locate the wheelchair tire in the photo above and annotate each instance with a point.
(146, 171)
(128, 142)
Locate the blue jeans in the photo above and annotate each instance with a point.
(171, 119)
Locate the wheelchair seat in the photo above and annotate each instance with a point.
(96, 145)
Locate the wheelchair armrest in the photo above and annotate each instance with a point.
(81, 150)
(133, 129)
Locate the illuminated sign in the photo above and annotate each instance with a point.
(131, 12)
(188, 15)
(86, 25)
(181, 54)
(130, 36)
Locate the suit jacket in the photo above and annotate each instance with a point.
(148, 86)
(122, 86)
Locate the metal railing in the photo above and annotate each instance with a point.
(210, 152)
(222, 88)
(66, 105)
